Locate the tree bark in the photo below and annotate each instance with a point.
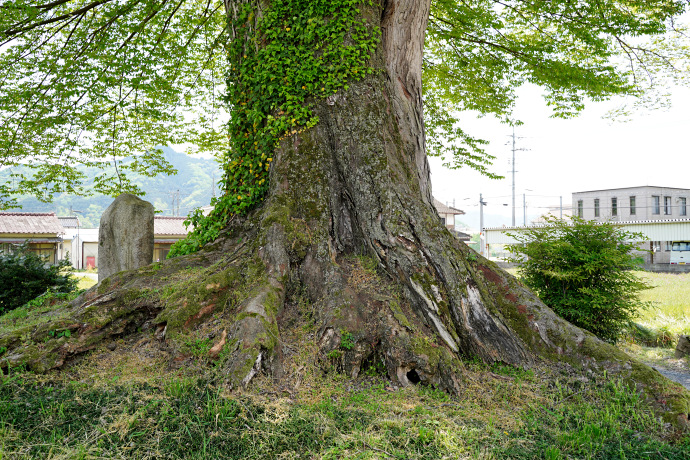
(349, 224)
(360, 182)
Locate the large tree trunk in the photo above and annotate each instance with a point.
(359, 184)
(349, 224)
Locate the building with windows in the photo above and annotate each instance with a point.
(447, 215)
(167, 231)
(665, 206)
(632, 203)
(657, 215)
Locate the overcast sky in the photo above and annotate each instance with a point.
(566, 156)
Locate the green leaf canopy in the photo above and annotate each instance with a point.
(84, 82)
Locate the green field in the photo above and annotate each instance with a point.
(671, 298)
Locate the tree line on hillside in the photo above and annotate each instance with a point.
(195, 180)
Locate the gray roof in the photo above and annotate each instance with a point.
(443, 209)
(462, 236)
(169, 226)
(629, 188)
(37, 223)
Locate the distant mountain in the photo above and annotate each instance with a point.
(194, 180)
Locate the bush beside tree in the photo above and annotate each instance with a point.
(25, 276)
(583, 270)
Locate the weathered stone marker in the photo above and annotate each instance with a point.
(125, 236)
(683, 347)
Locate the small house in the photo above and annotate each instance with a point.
(166, 232)
(41, 230)
(447, 215)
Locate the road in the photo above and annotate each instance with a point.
(676, 375)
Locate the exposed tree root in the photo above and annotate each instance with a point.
(241, 307)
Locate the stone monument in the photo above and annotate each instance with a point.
(125, 236)
(683, 347)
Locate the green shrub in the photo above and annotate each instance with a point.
(25, 276)
(650, 337)
(583, 271)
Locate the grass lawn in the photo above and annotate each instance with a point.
(85, 282)
(502, 413)
(127, 399)
(671, 298)
(654, 342)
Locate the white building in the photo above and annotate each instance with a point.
(645, 204)
(659, 214)
(81, 244)
(632, 203)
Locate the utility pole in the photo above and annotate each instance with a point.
(175, 199)
(513, 165)
(77, 258)
(481, 225)
(513, 171)
(524, 210)
(561, 197)
(172, 205)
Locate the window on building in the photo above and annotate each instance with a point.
(656, 204)
(7, 248)
(44, 250)
(579, 208)
(682, 206)
(669, 244)
(596, 207)
(614, 206)
(667, 205)
(681, 246)
(632, 206)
